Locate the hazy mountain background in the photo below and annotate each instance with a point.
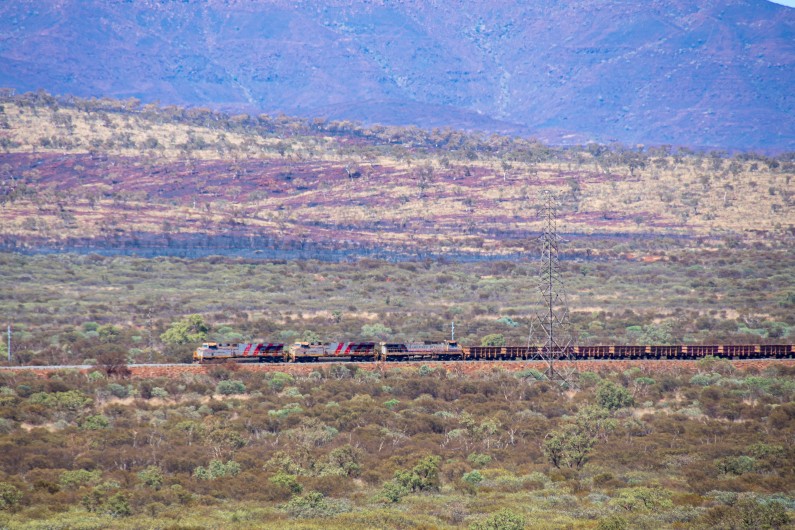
(704, 73)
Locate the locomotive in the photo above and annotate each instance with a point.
(450, 350)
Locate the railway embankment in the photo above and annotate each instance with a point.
(452, 367)
(467, 367)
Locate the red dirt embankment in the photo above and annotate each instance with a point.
(472, 367)
(463, 368)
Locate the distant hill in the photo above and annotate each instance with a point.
(697, 73)
(91, 175)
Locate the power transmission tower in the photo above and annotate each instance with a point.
(550, 328)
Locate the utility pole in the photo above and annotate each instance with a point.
(551, 323)
(452, 331)
(150, 326)
(9, 343)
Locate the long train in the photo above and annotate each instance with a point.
(211, 352)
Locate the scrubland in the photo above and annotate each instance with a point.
(400, 448)
(132, 232)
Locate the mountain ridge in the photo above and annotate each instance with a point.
(664, 72)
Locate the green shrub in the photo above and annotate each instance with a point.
(704, 379)
(74, 479)
(6, 425)
(191, 329)
(96, 376)
(95, 423)
(288, 409)
(391, 404)
(612, 522)
(508, 321)
(747, 514)
(117, 506)
(152, 477)
(473, 477)
(478, 459)
(495, 339)
(393, 491)
(217, 469)
(230, 387)
(158, 392)
(292, 392)
(119, 391)
(532, 373)
(342, 461)
(642, 498)
(422, 477)
(71, 400)
(503, 520)
(736, 465)
(589, 378)
(286, 481)
(315, 504)
(9, 496)
(278, 380)
(376, 331)
(612, 396)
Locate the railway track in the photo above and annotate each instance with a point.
(511, 365)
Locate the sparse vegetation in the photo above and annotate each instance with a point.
(85, 173)
(665, 247)
(59, 305)
(456, 453)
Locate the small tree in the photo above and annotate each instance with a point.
(152, 476)
(190, 329)
(613, 397)
(117, 506)
(109, 333)
(422, 477)
(570, 446)
(113, 362)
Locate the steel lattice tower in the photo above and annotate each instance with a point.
(550, 328)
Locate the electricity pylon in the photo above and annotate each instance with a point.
(550, 328)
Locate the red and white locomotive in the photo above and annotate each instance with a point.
(214, 352)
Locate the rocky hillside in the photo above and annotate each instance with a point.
(105, 175)
(691, 73)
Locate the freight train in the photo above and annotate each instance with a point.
(211, 352)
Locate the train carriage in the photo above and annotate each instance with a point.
(592, 352)
(698, 351)
(353, 351)
(408, 351)
(213, 352)
(739, 351)
(664, 351)
(777, 351)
